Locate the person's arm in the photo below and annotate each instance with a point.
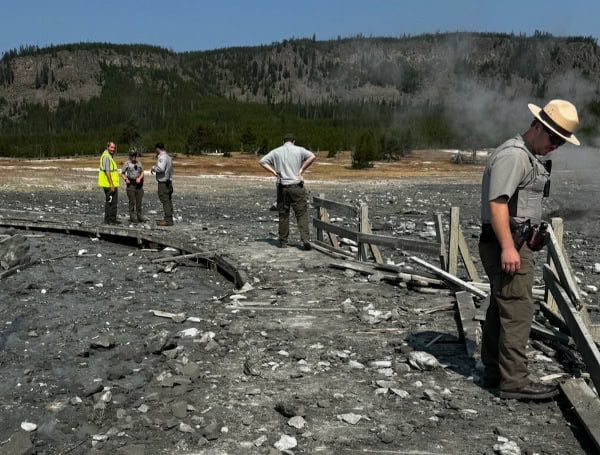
(124, 174)
(269, 168)
(305, 165)
(510, 260)
(140, 177)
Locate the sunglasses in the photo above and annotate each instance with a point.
(555, 139)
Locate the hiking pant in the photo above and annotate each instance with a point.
(165, 193)
(110, 204)
(292, 196)
(508, 318)
(135, 195)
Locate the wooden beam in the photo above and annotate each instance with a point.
(451, 278)
(453, 248)
(319, 211)
(345, 209)
(583, 339)
(439, 234)
(339, 230)
(415, 246)
(365, 226)
(331, 251)
(332, 237)
(469, 328)
(549, 334)
(563, 268)
(558, 228)
(463, 249)
(586, 406)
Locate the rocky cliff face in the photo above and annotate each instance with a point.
(414, 70)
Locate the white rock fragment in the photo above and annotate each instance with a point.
(597, 267)
(422, 361)
(185, 428)
(286, 443)
(260, 441)
(82, 252)
(191, 332)
(355, 365)
(297, 422)
(143, 408)
(28, 426)
(350, 418)
(387, 372)
(401, 393)
(507, 448)
(207, 336)
(591, 288)
(380, 364)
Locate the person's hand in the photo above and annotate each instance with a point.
(510, 260)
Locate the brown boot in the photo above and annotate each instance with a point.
(164, 223)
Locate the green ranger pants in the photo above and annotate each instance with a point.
(135, 195)
(165, 194)
(508, 318)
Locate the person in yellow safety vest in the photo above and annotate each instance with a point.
(108, 180)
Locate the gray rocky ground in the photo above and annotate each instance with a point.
(306, 359)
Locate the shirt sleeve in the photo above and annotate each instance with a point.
(161, 164)
(106, 164)
(267, 159)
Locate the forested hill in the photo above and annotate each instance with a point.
(458, 89)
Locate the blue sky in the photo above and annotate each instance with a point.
(185, 25)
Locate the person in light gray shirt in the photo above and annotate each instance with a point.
(163, 170)
(288, 163)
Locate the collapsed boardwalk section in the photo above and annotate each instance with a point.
(301, 357)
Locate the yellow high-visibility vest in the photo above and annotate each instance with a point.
(114, 172)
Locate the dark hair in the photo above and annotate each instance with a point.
(160, 146)
(289, 137)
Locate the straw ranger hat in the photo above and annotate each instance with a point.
(560, 116)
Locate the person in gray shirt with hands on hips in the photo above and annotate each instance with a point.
(288, 163)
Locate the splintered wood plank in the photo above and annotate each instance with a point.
(583, 339)
(563, 268)
(332, 237)
(586, 406)
(463, 248)
(450, 278)
(439, 234)
(453, 249)
(558, 228)
(470, 329)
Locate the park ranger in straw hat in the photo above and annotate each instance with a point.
(513, 185)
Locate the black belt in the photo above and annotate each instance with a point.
(293, 185)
